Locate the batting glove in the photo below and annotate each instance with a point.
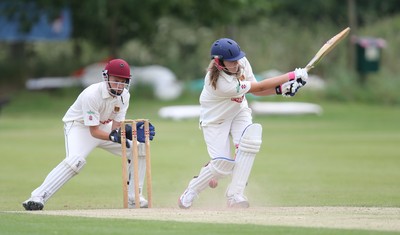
(289, 89)
(140, 132)
(301, 75)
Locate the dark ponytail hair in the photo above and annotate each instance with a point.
(214, 74)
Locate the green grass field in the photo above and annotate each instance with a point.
(349, 156)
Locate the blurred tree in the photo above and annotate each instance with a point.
(111, 23)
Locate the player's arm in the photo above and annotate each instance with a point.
(267, 86)
(115, 125)
(265, 92)
(99, 134)
(287, 89)
(270, 83)
(114, 135)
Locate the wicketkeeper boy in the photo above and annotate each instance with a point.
(92, 121)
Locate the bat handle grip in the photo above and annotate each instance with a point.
(308, 67)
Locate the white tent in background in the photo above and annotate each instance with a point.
(161, 79)
(180, 112)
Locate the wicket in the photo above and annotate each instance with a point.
(134, 149)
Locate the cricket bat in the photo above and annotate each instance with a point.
(327, 47)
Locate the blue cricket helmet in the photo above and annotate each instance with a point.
(226, 49)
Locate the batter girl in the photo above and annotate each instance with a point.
(225, 116)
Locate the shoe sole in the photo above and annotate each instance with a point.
(142, 206)
(181, 205)
(243, 204)
(33, 206)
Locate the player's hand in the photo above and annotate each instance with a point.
(301, 75)
(128, 131)
(115, 136)
(140, 132)
(289, 88)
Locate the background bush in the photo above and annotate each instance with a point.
(281, 43)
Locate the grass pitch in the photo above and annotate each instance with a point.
(347, 157)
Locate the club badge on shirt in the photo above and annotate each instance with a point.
(90, 117)
(116, 109)
(240, 86)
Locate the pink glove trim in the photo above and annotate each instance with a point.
(291, 76)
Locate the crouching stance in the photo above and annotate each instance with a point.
(94, 121)
(225, 117)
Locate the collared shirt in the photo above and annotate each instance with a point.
(228, 99)
(95, 106)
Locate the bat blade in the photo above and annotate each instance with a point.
(327, 47)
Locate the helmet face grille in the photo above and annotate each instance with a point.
(119, 87)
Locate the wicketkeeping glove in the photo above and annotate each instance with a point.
(140, 132)
(115, 136)
(289, 88)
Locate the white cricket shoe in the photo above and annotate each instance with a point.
(143, 202)
(238, 201)
(33, 204)
(186, 199)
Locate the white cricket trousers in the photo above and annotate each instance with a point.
(217, 136)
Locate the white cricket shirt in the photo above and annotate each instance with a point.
(95, 106)
(228, 99)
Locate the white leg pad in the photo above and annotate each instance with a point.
(63, 172)
(215, 169)
(249, 146)
(200, 182)
(75, 163)
(221, 166)
(141, 171)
